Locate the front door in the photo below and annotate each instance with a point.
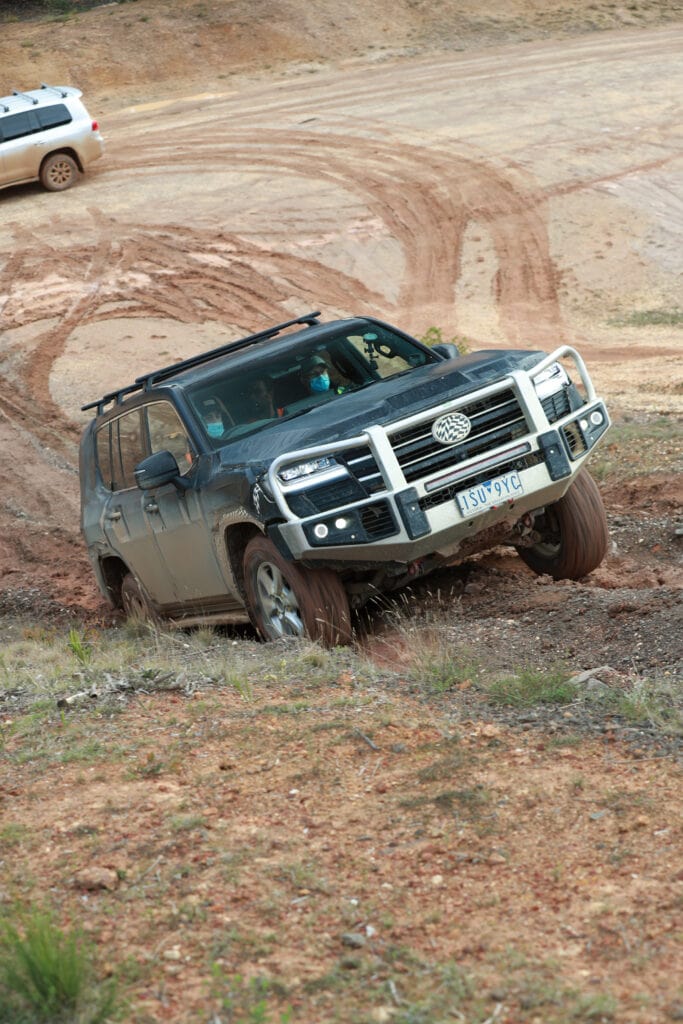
(184, 539)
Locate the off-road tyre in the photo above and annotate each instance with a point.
(574, 533)
(285, 599)
(135, 602)
(58, 172)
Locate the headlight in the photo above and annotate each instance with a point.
(551, 380)
(303, 469)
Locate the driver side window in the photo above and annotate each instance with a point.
(167, 433)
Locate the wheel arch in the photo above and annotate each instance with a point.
(235, 539)
(67, 151)
(112, 572)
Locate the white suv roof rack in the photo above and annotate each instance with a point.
(35, 97)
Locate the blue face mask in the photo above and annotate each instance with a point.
(214, 429)
(321, 382)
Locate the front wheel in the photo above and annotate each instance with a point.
(59, 172)
(287, 600)
(574, 533)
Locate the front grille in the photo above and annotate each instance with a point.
(449, 493)
(363, 465)
(378, 520)
(496, 420)
(326, 497)
(557, 405)
(576, 442)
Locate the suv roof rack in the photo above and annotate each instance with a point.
(55, 88)
(25, 96)
(147, 380)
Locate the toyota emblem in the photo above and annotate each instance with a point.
(452, 428)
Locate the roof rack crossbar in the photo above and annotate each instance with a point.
(148, 379)
(113, 396)
(54, 88)
(25, 96)
(5, 108)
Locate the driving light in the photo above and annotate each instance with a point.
(551, 380)
(597, 419)
(321, 531)
(303, 469)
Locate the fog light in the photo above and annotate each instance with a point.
(320, 531)
(341, 523)
(584, 425)
(597, 419)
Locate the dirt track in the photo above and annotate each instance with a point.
(518, 195)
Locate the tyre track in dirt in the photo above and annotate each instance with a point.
(425, 200)
(423, 194)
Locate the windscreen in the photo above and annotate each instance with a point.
(254, 392)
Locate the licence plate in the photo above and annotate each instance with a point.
(500, 490)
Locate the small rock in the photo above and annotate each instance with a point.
(382, 1014)
(354, 940)
(96, 878)
(496, 858)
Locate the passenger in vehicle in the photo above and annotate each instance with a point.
(215, 417)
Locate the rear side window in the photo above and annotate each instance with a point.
(120, 445)
(51, 117)
(131, 448)
(103, 447)
(124, 442)
(15, 126)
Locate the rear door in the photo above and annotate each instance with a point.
(121, 445)
(18, 150)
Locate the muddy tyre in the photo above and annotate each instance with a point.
(135, 602)
(574, 533)
(287, 600)
(59, 172)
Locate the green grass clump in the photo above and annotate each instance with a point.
(532, 687)
(47, 976)
(650, 318)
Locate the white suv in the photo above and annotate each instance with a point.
(46, 134)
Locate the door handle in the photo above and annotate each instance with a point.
(151, 506)
(113, 516)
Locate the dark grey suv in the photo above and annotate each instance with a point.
(291, 476)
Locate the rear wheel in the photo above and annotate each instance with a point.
(574, 533)
(135, 601)
(287, 600)
(59, 172)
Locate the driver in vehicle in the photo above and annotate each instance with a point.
(315, 374)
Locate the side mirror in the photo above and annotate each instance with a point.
(448, 350)
(157, 470)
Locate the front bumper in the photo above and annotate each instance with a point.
(390, 493)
